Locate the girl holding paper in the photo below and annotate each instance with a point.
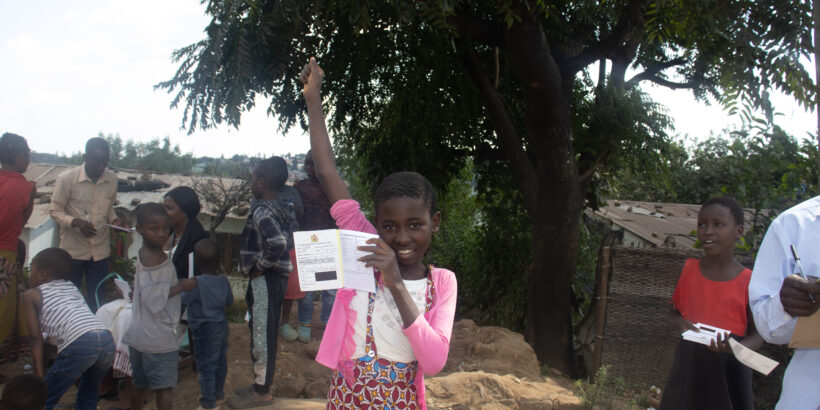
(381, 345)
(713, 291)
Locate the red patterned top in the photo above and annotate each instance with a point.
(716, 303)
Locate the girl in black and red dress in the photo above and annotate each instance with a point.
(713, 290)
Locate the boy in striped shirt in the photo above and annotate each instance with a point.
(85, 348)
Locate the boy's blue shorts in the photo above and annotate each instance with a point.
(154, 370)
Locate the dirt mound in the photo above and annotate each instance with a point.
(491, 349)
(488, 391)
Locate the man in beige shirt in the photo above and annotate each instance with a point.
(83, 205)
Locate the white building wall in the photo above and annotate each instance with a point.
(43, 237)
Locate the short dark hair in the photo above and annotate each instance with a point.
(55, 262)
(24, 392)
(734, 207)
(406, 184)
(149, 210)
(206, 253)
(97, 143)
(11, 147)
(274, 170)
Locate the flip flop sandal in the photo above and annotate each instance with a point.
(247, 401)
(241, 390)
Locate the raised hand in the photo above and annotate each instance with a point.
(311, 77)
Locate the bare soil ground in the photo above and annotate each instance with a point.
(488, 368)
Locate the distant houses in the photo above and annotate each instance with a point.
(653, 224)
(134, 187)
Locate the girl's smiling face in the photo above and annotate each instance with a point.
(717, 229)
(406, 225)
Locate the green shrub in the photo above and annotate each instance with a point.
(606, 392)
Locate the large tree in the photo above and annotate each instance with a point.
(422, 85)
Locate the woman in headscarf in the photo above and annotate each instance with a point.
(182, 205)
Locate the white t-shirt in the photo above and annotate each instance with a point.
(390, 341)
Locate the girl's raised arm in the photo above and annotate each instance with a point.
(323, 160)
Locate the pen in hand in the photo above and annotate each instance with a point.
(800, 268)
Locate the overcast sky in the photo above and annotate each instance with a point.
(72, 69)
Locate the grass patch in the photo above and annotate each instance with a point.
(236, 312)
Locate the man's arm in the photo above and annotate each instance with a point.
(33, 303)
(771, 266)
(112, 215)
(59, 199)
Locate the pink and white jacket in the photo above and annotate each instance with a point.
(429, 335)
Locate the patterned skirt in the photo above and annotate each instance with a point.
(12, 286)
(378, 384)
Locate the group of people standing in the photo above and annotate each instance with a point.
(409, 316)
(380, 345)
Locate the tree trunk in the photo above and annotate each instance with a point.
(543, 162)
(555, 240)
(554, 197)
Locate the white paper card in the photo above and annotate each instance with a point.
(191, 265)
(328, 259)
(705, 336)
(123, 287)
(754, 360)
(121, 228)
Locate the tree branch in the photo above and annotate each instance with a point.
(510, 141)
(654, 70)
(671, 84)
(586, 174)
(476, 30)
(628, 25)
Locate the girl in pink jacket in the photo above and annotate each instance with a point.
(381, 345)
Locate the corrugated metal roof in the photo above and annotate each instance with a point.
(38, 216)
(44, 176)
(657, 221)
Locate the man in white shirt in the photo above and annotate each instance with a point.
(778, 296)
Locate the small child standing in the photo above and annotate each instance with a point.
(85, 349)
(154, 335)
(265, 260)
(206, 318)
(713, 290)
